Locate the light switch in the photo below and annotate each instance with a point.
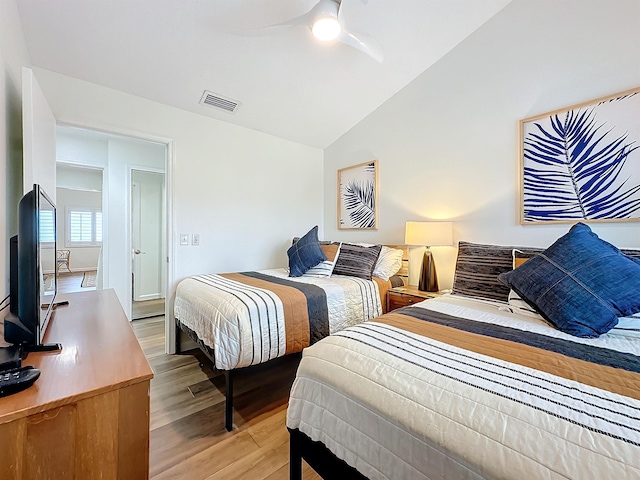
(184, 239)
(195, 239)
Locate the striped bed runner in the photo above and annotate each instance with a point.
(592, 387)
(285, 316)
(252, 317)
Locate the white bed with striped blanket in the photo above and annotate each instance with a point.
(454, 388)
(252, 317)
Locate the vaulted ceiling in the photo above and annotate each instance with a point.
(287, 83)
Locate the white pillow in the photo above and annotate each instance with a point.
(325, 268)
(389, 262)
(520, 306)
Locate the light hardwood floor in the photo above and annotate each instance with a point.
(71, 282)
(147, 308)
(188, 439)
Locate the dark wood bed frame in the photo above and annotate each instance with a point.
(319, 457)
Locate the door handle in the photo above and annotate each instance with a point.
(138, 252)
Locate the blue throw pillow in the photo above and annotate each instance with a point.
(581, 283)
(305, 253)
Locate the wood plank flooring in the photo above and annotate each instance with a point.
(71, 282)
(147, 308)
(188, 439)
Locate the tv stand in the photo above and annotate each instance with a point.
(87, 416)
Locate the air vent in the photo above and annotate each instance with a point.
(215, 100)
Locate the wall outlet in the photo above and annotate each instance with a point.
(184, 239)
(195, 239)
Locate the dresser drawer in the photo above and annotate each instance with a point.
(410, 296)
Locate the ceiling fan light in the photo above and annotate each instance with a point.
(326, 28)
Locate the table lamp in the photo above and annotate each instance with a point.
(428, 234)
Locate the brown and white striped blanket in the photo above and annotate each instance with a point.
(252, 317)
(454, 388)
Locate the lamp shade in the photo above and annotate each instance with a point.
(431, 234)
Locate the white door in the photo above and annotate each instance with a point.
(38, 137)
(148, 237)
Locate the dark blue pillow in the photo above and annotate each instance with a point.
(305, 253)
(581, 283)
(633, 255)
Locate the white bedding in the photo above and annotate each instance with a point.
(245, 325)
(398, 405)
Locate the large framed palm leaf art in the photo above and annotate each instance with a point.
(582, 162)
(358, 197)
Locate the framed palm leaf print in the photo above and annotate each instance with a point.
(358, 197)
(582, 162)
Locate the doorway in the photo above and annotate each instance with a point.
(118, 154)
(79, 196)
(148, 243)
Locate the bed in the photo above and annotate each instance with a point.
(248, 318)
(471, 385)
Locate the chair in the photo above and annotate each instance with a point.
(62, 258)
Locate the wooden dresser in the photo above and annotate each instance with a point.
(87, 416)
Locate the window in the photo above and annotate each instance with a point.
(46, 227)
(84, 227)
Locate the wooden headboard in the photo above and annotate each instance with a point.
(404, 270)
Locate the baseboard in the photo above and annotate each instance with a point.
(75, 269)
(144, 298)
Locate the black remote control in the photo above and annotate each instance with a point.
(17, 379)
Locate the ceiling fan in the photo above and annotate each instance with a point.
(326, 23)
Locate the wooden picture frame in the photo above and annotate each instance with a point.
(358, 197)
(582, 163)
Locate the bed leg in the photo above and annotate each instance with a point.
(228, 404)
(295, 459)
(178, 330)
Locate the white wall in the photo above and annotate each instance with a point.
(74, 148)
(447, 144)
(245, 192)
(78, 178)
(13, 56)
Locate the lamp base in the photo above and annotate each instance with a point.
(428, 277)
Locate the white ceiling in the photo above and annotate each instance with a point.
(287, 83)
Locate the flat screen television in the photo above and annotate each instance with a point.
(33, 272)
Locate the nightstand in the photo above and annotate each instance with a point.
(407, 295)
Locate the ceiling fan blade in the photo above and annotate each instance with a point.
(306, 19)
(303, 20)
(363, 42)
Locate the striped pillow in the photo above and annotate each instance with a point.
(324, 269)
(356, 260)
(633, 254)
(477, 269)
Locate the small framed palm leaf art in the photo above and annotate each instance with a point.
(358, 197)
(582, 162)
